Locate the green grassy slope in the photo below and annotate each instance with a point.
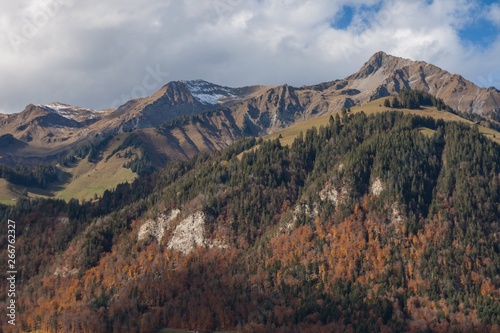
(85, 179)
(290, 133)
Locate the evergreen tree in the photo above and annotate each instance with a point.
(395, 103)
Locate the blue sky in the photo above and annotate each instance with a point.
(478, 30)
(482, 30)
(344, 17)
(94, 53)
(481, 33)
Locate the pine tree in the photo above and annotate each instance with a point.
(395, 103)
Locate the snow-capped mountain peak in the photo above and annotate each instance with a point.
(70, 112)
(209, 93)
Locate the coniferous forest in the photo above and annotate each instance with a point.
(365, 225)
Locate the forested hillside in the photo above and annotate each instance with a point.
(388, 222)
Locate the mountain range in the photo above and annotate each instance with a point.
(214, 116)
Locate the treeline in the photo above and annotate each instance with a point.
(142, 165)
(180, 121)
(479, 119)
(88, 150)
(414, 99)
(40, 217)
(38, 176)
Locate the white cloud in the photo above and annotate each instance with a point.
(494, 14)
(90, 53)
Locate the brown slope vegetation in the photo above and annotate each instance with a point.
(84, 178)
(89, 179)
(43, 134)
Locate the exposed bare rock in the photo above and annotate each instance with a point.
(216, 243)
(156, 228)
(190, 233)
(303, 210)
(287, 227)
(384, 74)
(377, 187)
(329, 193)
(63, 220)
(396, 217)
(65, 271)
(336, 195)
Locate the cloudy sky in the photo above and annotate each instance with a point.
(99, 54)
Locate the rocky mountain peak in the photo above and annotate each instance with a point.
(378, 59)
(382, 62)
(384, 75)
(376, 62)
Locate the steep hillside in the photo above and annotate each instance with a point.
(201, 133)
(91, 168)
(181, 139)
(91, 175)
(367, 224)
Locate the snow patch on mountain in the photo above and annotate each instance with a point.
(209, 93)
(71, 112)
(209, 99)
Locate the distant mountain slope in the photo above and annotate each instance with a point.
(48, 125)
(41, 132)
(382, 75)
(45, 132)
